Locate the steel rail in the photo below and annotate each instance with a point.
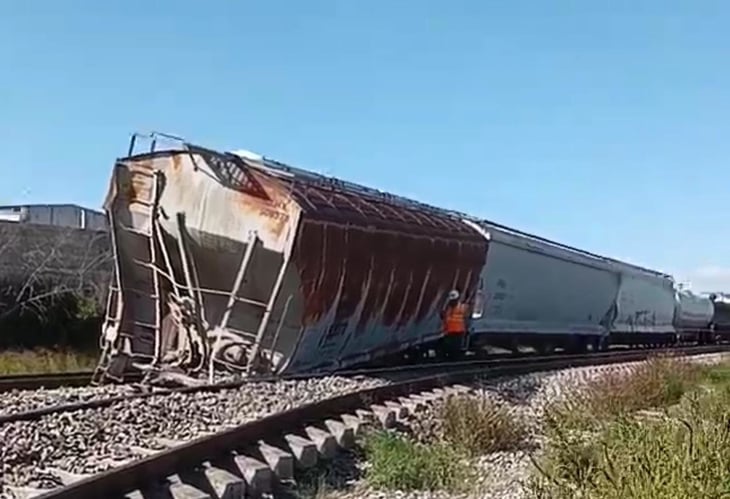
(43, 380)
(48, 380)
(142, 474)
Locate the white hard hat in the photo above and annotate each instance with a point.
(453, 295)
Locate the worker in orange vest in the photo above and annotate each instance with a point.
(454, 317)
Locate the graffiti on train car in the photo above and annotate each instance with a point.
(642, 318)
(334, 331)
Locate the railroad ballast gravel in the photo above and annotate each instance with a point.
(90, 441)
(17, 401)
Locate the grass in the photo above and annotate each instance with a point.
(399, 463)
(45, 361)
(718, 375)
(658, 382)
(468, 426)
(610, 449)
(477, 426)
(659, 431)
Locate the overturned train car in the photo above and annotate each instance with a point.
(224, 260)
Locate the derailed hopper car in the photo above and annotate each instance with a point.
(257, 266)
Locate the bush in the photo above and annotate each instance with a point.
(683, 455)
(51, 317)
(477, 425)
(397, 462)
(602, 445)
(717, 375)
(659, 382)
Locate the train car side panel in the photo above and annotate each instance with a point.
(370, 292)
(531, 288)
(645, 305)
(693, 312)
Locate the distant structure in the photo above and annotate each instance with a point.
(59, 215)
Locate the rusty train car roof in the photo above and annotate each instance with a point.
(343, 202)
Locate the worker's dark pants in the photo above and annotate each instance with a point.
(452, 345)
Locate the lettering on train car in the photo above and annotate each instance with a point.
(271, 213)
(334, 331)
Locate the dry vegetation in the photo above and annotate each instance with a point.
(53, 284)
(45, 361)
(662, 431)
(658, 382)
(477, 425)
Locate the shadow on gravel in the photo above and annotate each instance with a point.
(327, 477)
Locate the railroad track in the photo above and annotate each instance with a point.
(254, 456)
(37, 381)
(131, 392)
(108, 398)
(49, 381)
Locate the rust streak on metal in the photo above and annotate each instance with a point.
(399, 257)
(357, 267)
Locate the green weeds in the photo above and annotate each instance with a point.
(398, 462)
(653, 433)
(658, 382)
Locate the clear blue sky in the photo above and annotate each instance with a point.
(603, 124)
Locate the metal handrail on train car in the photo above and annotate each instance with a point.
(333, 182)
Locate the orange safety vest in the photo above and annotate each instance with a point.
(455, 319)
